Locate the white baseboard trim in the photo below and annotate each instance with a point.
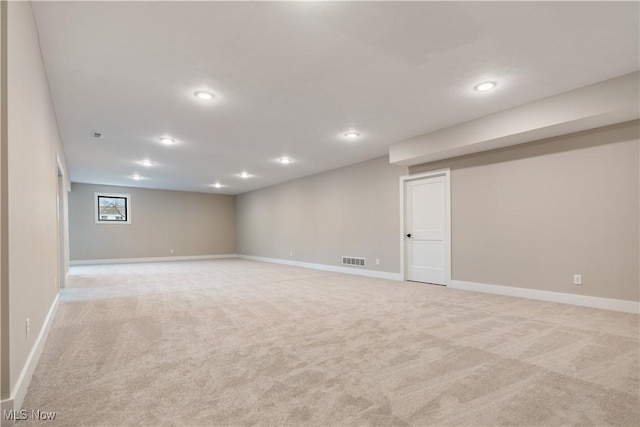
(20, 391)
(151, 259)
(581, 300)
(325, 267)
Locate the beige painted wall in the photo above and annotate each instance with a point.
(533, 215)
(5, 388)
(33, 143)
(161, 220)
(349, 211)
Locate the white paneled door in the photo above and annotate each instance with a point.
(426, 234)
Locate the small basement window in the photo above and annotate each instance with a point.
(112, 208)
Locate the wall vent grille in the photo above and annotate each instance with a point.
(354, 261)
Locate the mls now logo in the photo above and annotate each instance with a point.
(21, 415)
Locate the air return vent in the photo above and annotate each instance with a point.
(97, 134)
(354, 261)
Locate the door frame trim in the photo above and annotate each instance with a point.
(446, 173)
(60, 224)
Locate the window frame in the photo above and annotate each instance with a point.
(96, 207)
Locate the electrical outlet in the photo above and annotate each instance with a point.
(577, 279)
(28, 327)
(291, 253)
(377, 261)
(171, 251)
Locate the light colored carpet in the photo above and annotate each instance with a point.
(234, 342)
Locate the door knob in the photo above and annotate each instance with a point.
(409, 235)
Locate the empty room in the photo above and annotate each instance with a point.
(323, 213)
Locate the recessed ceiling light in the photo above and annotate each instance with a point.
(167, 140)
(217, 185)
(136, 177)
(485, 86)
(146, 162)
(245, 175)
(285, 160)
(205, 96)
(352, 135)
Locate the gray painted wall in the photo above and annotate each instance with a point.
(161, 220)
(29, 194)
(351, 211)
(5, 372)
(533, 215)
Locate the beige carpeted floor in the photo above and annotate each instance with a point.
(234, 342)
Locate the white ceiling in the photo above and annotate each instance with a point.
(292, 78)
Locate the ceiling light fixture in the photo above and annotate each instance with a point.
(485, 86)
(217, 185)
(167, 141)
(136, 177)
(352, 135)
(245, 175)
(285, 160)
(205, 96)
(146, 162)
